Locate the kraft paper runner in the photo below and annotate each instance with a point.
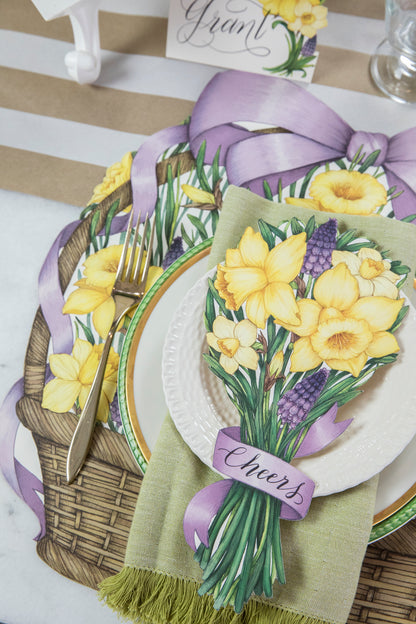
(322, 553)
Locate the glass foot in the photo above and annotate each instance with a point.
(394, 73)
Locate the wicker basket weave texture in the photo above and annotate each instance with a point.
(387, 589)
(87, 523)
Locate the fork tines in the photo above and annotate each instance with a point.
(131, 263)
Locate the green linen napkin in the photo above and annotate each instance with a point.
(322, 553)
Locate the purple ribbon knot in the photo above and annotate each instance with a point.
(368, 142)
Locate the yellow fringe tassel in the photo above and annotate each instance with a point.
(147, 597)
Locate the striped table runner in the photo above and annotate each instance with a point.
(57, 137)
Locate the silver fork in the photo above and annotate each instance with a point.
(127, 292)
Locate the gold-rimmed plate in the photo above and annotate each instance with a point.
(141, 398)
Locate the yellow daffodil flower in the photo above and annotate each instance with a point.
(284, 8)
(74, 375)
(93, 292)
(197, 195)
(115, 176)
(350, 192)
(234, 341)
(309, 16)
(304, 202)
(261, 278)
(271, 6)
(340, 328)
(371, 272)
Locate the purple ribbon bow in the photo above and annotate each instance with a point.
(316, 135)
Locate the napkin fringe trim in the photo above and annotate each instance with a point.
(148, 597)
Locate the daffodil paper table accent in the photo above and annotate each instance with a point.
(298, 318)
(322, 554)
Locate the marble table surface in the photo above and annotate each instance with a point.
(31, 592)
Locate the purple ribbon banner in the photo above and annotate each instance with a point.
(316, 135)
(261, 470)
(264, 472)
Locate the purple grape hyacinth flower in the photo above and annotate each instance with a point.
(176, 250)
(115, 411)
(295, 405)
(319, 249)
(309, 47)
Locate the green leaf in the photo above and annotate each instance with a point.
(170, 206)
(345, 238)
(278, 233)
(409, 218)
(87, 331)
(369, 161)
(93, 227)
(340, 164)
(310, 227)
(266, 233)
(87, 210)
(353, 247)
(200, 168)
(215, 168)
(185, 237)
(181, 147)
(279, 190)
(402, 313)
(159, 230)
(306, 181)
(209, 311)
(218, 370)
(399, 268)
(109, 219)
(348, 396)
(197, 223)
(297, 226)
(214, 219)
(267, 190)
(219, 300)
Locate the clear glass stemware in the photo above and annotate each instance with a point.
(393, 65)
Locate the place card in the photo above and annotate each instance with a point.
(260, 36)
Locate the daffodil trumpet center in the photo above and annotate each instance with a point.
(229, 346)
(348, 191)
(308, 18)
(341, 339)
(369, 269)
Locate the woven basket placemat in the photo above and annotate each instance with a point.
(88, 522)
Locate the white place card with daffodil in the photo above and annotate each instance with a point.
(261, 36)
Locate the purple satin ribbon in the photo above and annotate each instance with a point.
(143, 169)
(25, 484)
(262, 471)
(317, 136)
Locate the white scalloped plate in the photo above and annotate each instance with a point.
(384, 414)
